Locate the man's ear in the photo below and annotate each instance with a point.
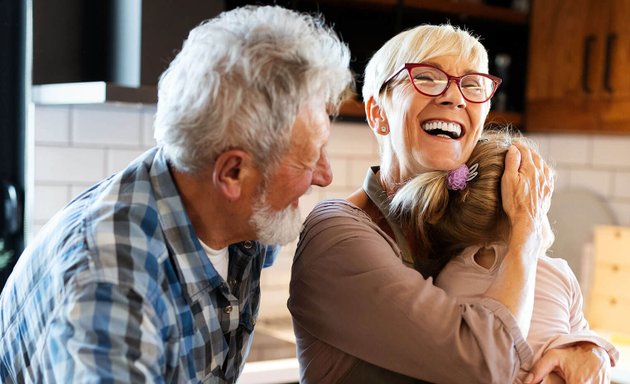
(376, 117)
(229, 170)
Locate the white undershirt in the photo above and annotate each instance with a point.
(219, 259)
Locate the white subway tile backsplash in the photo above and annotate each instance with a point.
(622, 212)
(570, 149)
(106, 126)
(612, 151)
(49, 199)
(542, 141)
(148, 116)
(351, 139)
(358, 170)
(118, 159)
(32, 230)
(339, 166)
(596, 181)
(67, 164)
(621, 184)
(52, 124)
(563, 178)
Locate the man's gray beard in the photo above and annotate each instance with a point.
(275, 227)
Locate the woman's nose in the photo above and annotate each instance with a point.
(453, 96)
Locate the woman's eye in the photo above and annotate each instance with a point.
(424, 77)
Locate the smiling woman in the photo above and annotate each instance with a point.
(364, 307)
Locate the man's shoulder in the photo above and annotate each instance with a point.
(118, 222)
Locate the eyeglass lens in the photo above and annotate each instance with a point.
(433, 82)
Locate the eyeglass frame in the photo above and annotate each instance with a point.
(409, 66)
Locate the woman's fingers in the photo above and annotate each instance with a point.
(526, 188)
(526, 156)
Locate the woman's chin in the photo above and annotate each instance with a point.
(441, 158)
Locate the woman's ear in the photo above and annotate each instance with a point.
(376, 117)
(229, 171)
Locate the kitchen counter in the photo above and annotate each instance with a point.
(271, 372)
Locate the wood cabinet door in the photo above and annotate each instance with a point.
(615, 110)
(567, 44)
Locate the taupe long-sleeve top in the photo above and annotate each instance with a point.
(362, 316)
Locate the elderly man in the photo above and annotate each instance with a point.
(152, 275)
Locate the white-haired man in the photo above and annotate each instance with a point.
(152, 275)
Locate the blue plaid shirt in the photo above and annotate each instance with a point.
(117, 288)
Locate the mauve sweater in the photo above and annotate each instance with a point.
(362, 316)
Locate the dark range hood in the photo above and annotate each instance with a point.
(100, 51)
(14, 23)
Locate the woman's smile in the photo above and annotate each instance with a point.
(441, 128)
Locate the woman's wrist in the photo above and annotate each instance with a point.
(526, 234)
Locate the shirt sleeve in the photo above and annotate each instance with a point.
(271, 254)
(580, 330)
(105, 333)
(350, 290)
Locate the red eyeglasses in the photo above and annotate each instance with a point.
(432, 81)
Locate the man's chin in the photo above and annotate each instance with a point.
(277, 227)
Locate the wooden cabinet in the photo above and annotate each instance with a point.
(577, 72)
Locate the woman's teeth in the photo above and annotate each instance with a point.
(443, 129)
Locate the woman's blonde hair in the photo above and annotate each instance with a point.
(446, 221)
(420, 44)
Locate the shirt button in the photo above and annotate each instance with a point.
(247, 244)
(227, 310)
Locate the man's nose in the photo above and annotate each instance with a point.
(322, 176)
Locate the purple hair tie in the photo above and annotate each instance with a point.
(457, 178)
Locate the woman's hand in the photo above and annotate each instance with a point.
(526, 186)
(526, 189)
(580, 363)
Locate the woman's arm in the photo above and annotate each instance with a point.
(586, 363)
(526, 189)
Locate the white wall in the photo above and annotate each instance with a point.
(76, 146)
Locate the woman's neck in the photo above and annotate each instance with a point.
(390, 175)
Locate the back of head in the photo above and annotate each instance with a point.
(239, 81)
(447, 221)
(417, 45)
